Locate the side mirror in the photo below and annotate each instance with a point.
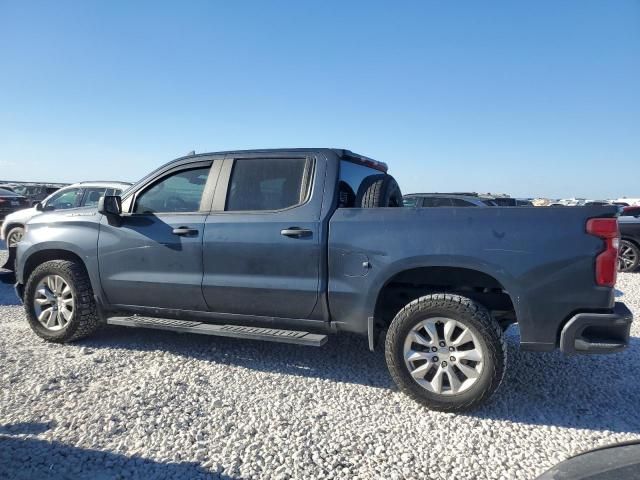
(110, 205)
(39, 207)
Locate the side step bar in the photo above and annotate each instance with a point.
(235, 331)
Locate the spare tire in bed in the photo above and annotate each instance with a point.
(379, 191)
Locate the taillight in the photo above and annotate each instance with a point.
(607, 260)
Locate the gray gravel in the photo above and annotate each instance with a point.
(153, 404)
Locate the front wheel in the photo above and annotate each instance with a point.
(446, 352)
(59, 302)
(14, 236)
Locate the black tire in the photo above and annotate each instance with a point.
(15, 231)
(84, 320)
(477, 319)
(379, 191)
(632, 253)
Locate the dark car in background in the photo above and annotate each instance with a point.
(10, 202)
(454, 199)
(512, 202)
(629, 253)
(36, 192)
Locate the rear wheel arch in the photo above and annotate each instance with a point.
(404, 286)
(633, 240)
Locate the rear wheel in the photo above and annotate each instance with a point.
(628, 256)
(59, 303)
(446, 352)
(14, 236)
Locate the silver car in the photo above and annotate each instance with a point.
(77, 195)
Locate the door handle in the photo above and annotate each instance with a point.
(184, 231)
(295, 232)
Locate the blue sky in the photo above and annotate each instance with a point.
(529, 98)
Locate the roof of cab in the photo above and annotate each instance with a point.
(340, 152)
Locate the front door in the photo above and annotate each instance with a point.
(152, 257)
(262, 247)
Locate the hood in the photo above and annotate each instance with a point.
(64, 215)
(21, 216)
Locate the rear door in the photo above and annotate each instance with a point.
(152, 257)
(261, 241)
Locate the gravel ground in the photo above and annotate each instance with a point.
(149, 404)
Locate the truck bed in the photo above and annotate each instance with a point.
(542, 258)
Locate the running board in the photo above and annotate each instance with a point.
(235, 331)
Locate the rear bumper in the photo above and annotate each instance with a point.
(597, 332)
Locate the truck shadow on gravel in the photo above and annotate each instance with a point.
(598, 392)
(7, 294)
(585, 392)
(31, 458)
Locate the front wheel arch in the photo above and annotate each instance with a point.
(10, 227)
(42, 256)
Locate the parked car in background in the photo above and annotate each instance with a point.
(628, 201)
(455, 199)
(36, 192)
(77, 195)
(10, 202)
(291, 245)
(512, 202)
(629, 253)
(5, 186)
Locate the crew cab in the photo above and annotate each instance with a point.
(293, 245)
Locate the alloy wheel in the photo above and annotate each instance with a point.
(627, 257)
(14, 237)
(53, 302)
(443, 355)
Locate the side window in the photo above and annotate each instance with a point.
(177, 192)
(458, 202)
(91, 196)
(410, 201)
(64, 199)
(267, 184)
(436, 202)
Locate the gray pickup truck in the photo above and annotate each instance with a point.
(292, 245)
